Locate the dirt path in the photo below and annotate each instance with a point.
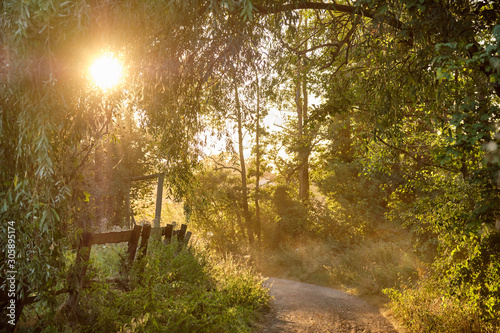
(302, 307)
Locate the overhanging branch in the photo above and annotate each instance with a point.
(221, 166)
(418, 160)
(327, 6)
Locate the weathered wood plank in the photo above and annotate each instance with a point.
(168, 232)
(159, 198)
(112, 237)
(143, 248)
(182, 232)
(127, 206)
(133, 241)
(145, 177)
(188, 237)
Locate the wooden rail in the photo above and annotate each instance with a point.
(77, 276)
(142, 233)
(159, 196)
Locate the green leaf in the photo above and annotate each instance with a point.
(495, 63)
(56, 215)
(496, 32)
(247, 11)
(443, 74)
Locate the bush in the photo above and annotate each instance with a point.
(373, 265)
(173, 289)
(452, 216)
(292, 215)
(424, 308)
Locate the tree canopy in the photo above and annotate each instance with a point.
(393, 111)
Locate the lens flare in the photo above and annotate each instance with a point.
(106, 72)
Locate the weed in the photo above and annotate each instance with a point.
(424, 308)
(172, 289)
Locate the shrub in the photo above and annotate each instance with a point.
(172, 289)
(292, 215)
(373, 265)
(455, 217)
(423, 308)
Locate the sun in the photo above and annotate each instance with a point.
(106, 72)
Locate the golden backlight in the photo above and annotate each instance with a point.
(106, 72)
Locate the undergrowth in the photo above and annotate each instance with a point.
(365, 267)
(461, 294)
(425, 308)
(173, 289)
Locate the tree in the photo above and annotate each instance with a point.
(423, 75)
(50, 125)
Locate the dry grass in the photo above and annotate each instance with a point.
(382, 260)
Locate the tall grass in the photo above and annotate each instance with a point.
(303, 261)
(379, 261)
(424, 308)
(371, 266)
(173, 289)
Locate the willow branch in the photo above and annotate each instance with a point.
(327, 6)
(414, 158)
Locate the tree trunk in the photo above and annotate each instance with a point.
(258, 229)
(304, 144)
(301, 100)
(244, 190)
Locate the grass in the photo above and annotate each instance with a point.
(382, 260)
(172, 290)
(424, 308)
(371, 266)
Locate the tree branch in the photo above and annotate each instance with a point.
(414, 158)
(222, 166)
(327, 6)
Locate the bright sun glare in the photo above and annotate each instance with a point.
(106, 72)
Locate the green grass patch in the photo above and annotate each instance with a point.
(172, 289)
(424, 308)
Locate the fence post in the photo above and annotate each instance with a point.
(127, 205)
(168, 232)
(81, 265)
(132, 243)
(188, 237)
(143, 248)
(182, 232)
(159, 197)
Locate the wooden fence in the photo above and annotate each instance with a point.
(132, 237)
(135, 251)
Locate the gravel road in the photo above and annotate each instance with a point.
(302, 307)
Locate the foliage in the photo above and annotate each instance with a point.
(449, 216)
(407, 119)
(291, 214)
(44, 143)
(355, 200)
(173, 289)
(382, 260)
(216, 209)
(424, 308)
